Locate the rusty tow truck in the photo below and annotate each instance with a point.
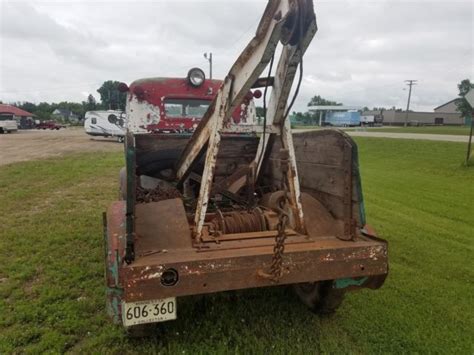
(212, 202)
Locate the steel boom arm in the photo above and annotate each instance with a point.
(293, 23)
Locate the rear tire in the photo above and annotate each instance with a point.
(142, 330)
(158, 164)
(320, 297)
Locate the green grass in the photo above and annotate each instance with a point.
(418, 196)
(453, 130)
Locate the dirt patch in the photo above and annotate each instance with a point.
(37, 144)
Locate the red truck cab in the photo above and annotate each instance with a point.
(176, 105)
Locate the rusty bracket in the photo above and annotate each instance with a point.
(349, 221)
(130, 165)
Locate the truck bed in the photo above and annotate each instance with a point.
(164, 242)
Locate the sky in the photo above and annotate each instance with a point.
(363, 52)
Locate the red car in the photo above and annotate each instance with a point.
(49, 125)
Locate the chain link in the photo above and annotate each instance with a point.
(279, 248)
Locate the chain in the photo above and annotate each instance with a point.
(276, 271)
(279, 248)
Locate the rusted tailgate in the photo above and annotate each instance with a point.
(214, 270)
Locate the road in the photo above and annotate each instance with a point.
(420, 136)
(36, 144)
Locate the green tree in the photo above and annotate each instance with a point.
(44, 110)
(111, 97)
(27, 106)
(320, 101)
(298, 116)
(462, 104)
(91, 104)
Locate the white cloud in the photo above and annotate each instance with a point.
(361, 55)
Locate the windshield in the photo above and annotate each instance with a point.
(192, 108)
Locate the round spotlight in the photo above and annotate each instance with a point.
(196, 77)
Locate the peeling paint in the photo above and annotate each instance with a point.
(155, 275)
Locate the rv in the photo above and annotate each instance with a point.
(105, 124)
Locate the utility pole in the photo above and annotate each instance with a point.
(209, 59)
(410, 83)
(469, 97)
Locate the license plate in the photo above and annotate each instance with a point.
(148, 311)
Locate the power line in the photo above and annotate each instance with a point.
(410, 83)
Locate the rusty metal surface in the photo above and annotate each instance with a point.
(328, 170)
(238, 222)
(319, 222)
(349, 222)
(161, 227)
(115, 241)
(221, 270)
(208, 238)
(159, 193)
(130, 166)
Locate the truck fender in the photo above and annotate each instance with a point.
(114, 240)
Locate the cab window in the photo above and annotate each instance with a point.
(189, 108)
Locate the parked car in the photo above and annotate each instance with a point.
(49, 125)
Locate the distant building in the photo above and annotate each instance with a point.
(445, 114)
(448, 107)
(65, 115)
(24, 118)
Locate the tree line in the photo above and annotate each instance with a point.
(110, 98)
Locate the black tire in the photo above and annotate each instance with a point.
(142, 330)
(160, 164)
(320, 297)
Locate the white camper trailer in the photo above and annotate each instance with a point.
(105, 124)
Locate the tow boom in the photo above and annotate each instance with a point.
(293, 23)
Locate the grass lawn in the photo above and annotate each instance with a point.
(454, 130)
(418, 196)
